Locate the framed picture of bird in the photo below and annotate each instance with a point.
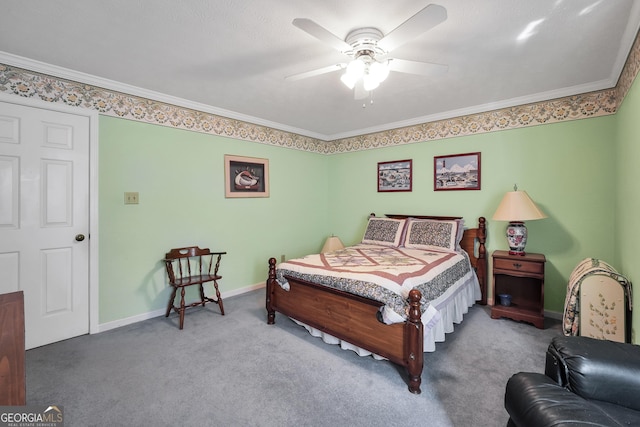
(246, 176)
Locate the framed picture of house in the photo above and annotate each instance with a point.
(456, 172)
(246, 176)
(395, 176)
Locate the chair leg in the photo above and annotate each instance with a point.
(202, 297)
(171, 300)
(219, 298)
(181, 308)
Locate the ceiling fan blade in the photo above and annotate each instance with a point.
(419, 23)
(415, 67)
(322, 34)
(317, 72)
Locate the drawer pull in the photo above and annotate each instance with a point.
(517, 265)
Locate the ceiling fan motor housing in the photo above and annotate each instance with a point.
(364, 41)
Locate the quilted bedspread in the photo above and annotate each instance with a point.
(382, 273)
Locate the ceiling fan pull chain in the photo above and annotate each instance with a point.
(364, 104)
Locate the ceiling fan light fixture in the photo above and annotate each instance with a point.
(370, 82)
(349, 80)
(356, 68)
(379, 70)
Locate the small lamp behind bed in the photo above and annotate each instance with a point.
(333, 243)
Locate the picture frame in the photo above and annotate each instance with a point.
(457, 172)
(246, 176)
(395, 176)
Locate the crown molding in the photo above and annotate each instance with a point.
(112, 85)
(493, 106)
(27, 78)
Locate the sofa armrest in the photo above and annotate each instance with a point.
(535, 400)
(596, 369)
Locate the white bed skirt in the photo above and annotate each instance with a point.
(438, 319)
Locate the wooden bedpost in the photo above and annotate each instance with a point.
(481, 268)
(271, 282)
(415, 356)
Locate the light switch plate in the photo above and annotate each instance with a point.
(131, 198)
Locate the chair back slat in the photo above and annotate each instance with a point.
(187, 261)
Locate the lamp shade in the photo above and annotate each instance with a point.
(517, 206)
(333, 243)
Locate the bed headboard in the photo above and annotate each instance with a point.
(473, 242)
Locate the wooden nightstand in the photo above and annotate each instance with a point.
(522, 277)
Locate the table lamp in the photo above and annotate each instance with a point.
(517, 207)
(333, 243)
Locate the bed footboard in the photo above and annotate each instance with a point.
(353, 319)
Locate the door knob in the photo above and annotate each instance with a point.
(79, 237)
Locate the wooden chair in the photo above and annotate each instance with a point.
(192, 266)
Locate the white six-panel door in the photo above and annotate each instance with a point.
(44, 219)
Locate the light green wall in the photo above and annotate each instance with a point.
(627, 177)
(567, 168)
(179, 176)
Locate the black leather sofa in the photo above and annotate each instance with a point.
(587, 382)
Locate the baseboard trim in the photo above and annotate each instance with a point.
(103, 327)
(553, 315)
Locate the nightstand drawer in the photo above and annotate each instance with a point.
(518, 265)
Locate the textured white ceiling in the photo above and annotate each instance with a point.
(232, 57)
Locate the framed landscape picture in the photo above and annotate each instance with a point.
(395, 176)
(456, 172)
(246, 176)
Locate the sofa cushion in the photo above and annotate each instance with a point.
(535, 400)
(597, 369)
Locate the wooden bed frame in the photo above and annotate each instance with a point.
(354, 319)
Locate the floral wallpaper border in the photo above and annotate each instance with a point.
(22, 82)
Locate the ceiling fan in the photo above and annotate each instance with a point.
(368, 47)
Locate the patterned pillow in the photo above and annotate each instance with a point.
(384, 231)
(432, 234)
